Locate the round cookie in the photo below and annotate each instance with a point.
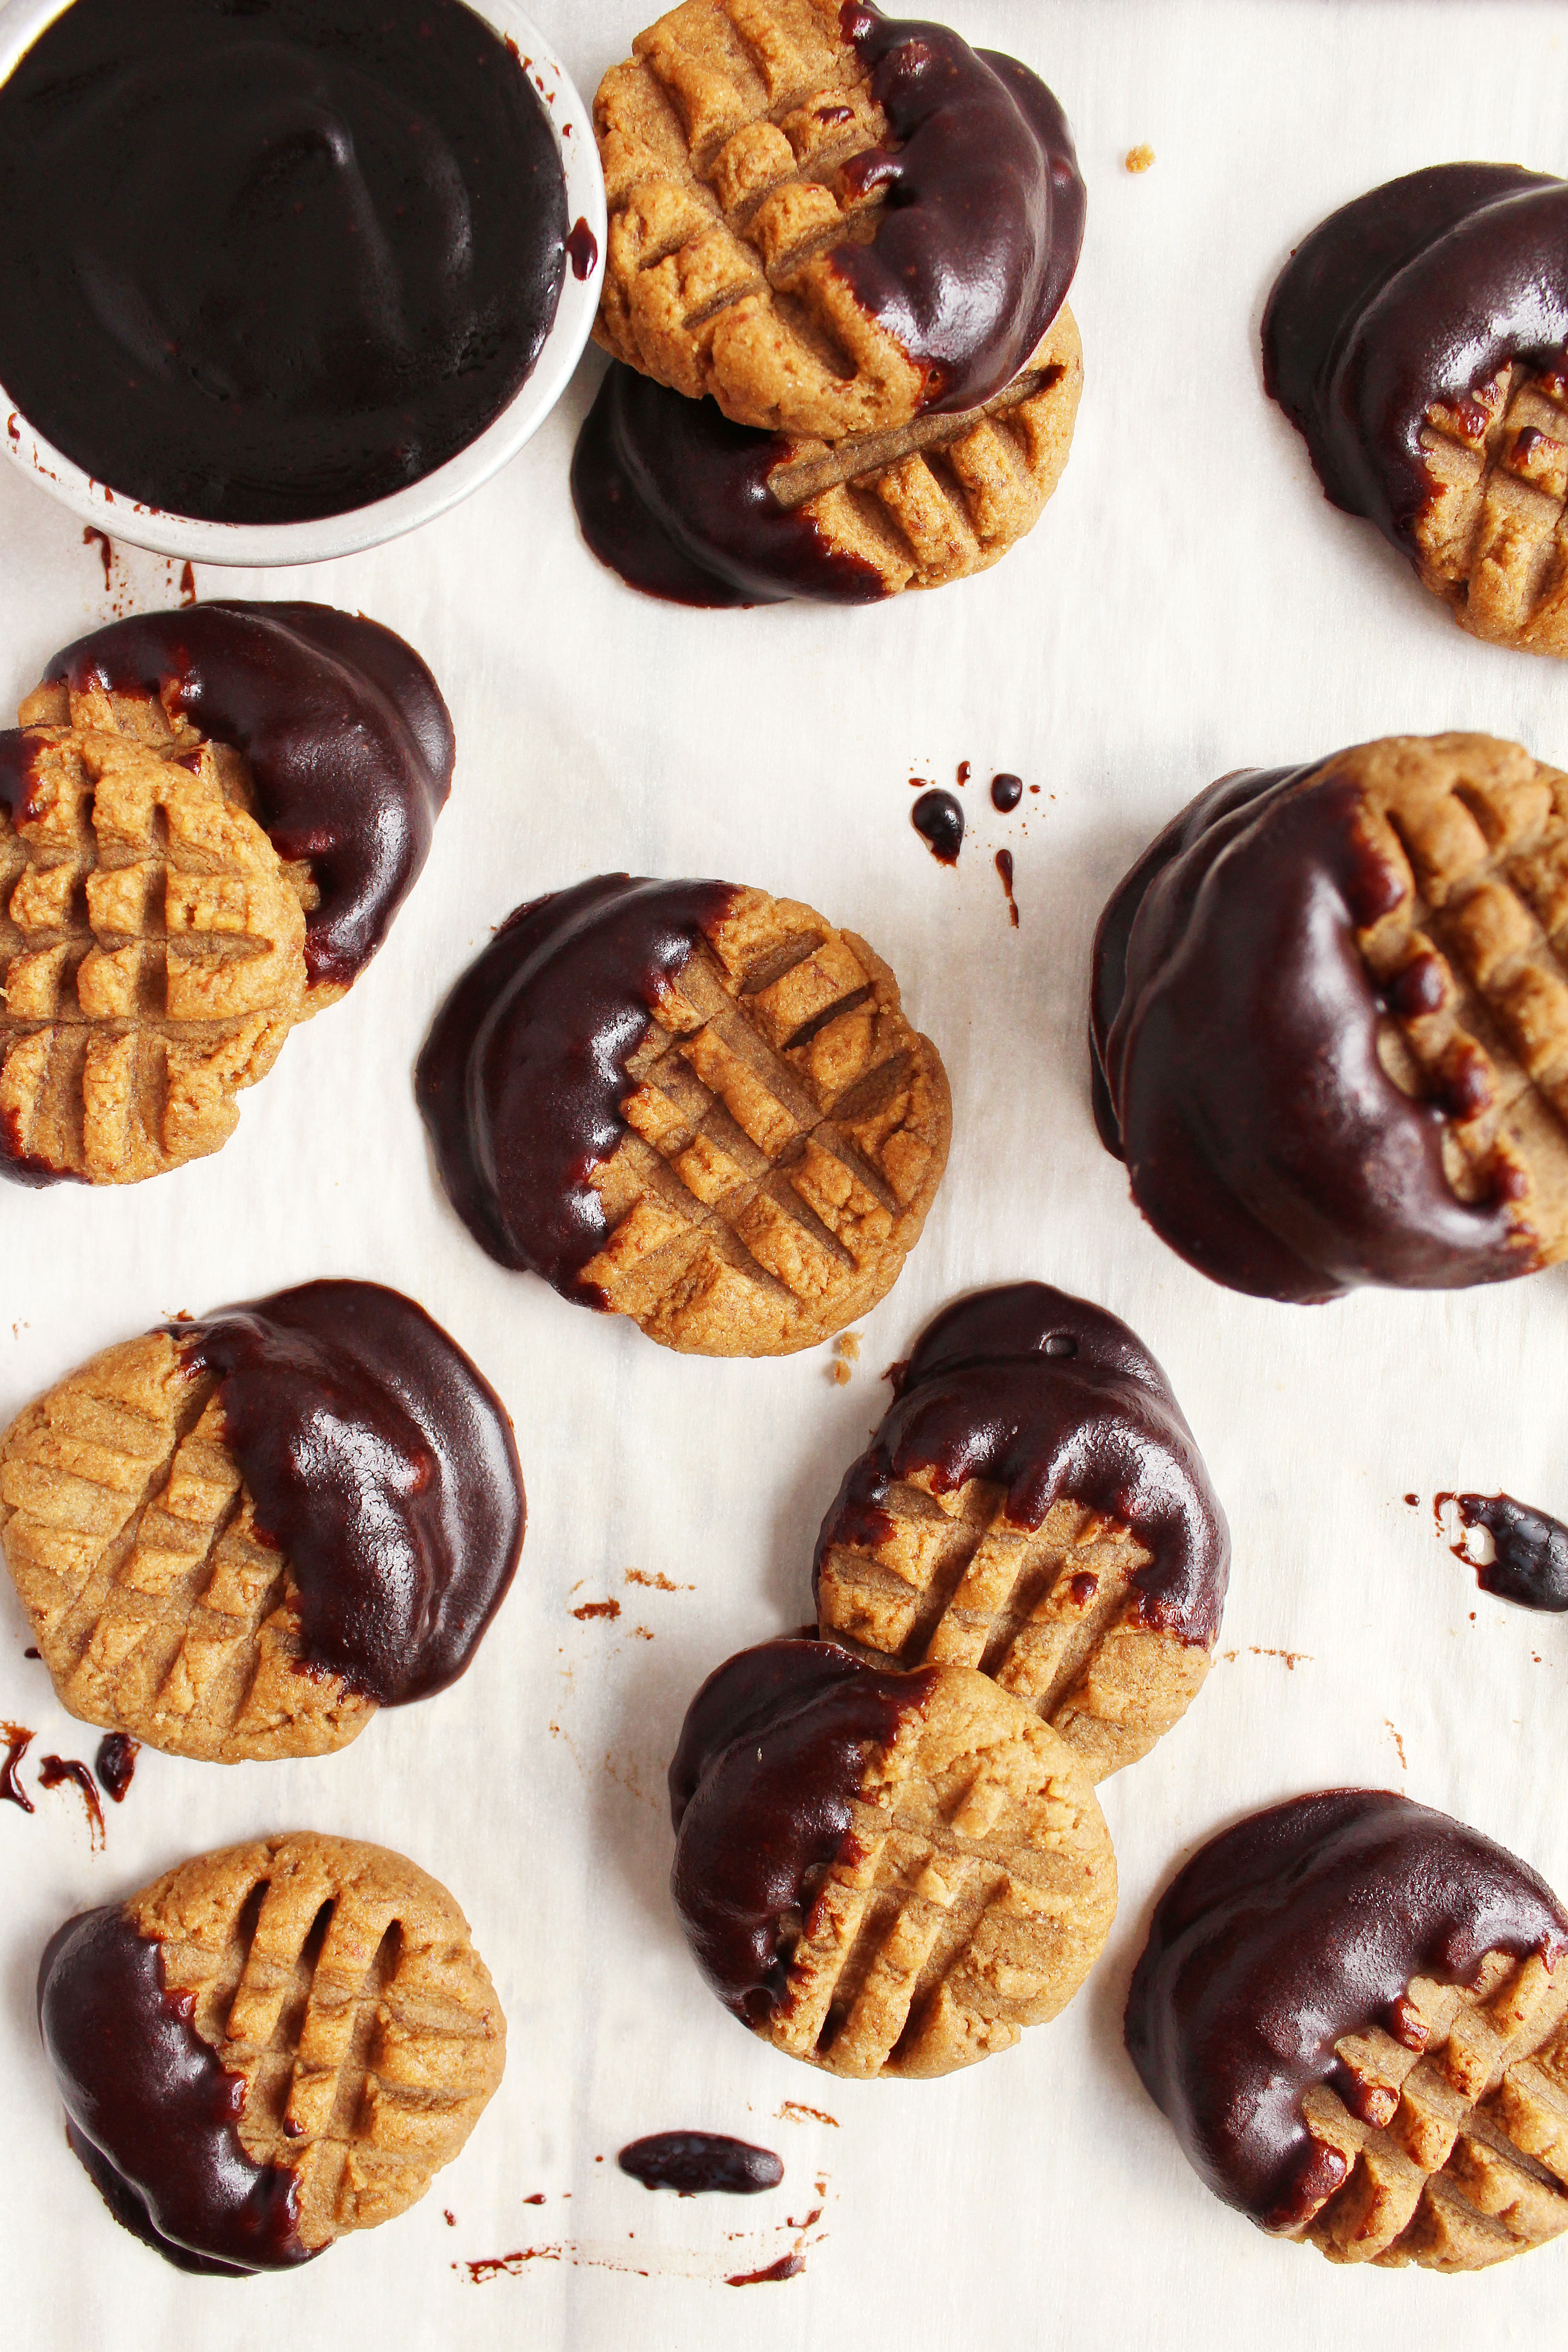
(269, 2047)
(829, 219)
(691, 1104)
(1354, 2012)
(208, 820)
(1328, 1019)
(687, 506)
(236, 1538)
(1034, 1505)
(1418, 341)
(883, 1873)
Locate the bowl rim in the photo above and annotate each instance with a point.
(239, 544)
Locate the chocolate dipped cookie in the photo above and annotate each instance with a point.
(238, 1537)
(691, 1104)
(208, 819)
(269, 2047)
(1034, 1505)
(1418, 341)
(685, 505)
(1329, 1015)
(880, 1871)
(830, 220)
(1354, 2012)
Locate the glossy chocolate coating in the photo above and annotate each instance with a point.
(1531, 1561)
(382, 1464)
(1420, 291)
(521, 1079)
(674, 498)
(1296, 1927)
(1050, 1398)
(974, 251)
(938, 817)
(270, 261)
(983, 207)
(772, 1754)
(693, 2163)
(349, 741)
(152, 2111)
(1233, 1032)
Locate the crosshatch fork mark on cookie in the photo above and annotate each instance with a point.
(158, 1609)
(339, 1984)
(152, 944)
(1493, 540)
(779, 1132)
(1455, 2151)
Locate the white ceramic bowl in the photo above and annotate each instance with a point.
(21, 23)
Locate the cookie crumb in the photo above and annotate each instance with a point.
(840, 1374)
(1139, 158)
(1399, 1743)
(597, 1609)
(849, 1346)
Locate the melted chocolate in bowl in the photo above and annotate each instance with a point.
(1234, 1028)
(152, 2112)
(1049, 1396)
(382, 1464)
(1283, 1934)
(268, 263)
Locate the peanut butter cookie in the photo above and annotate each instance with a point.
(269, 2047)
(691, 1104)
(237, 1538)
(883, 1873)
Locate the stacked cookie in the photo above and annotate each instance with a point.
(839, 252)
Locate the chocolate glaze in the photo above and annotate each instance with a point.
(152, 2112)
(268, 262)
(974, 251)
(693, 2163)
(983, 207)
(1420, 291)
(938, 818)
(1284, 1933)
(1531, 1561)
(116, 1761)
(382, 1463)
(18, 1739)
(349, 742)
(770, 1755)
(1006, 792)
(674, 498)
(55, 1771)
(1233, 1034)
(1051, 1398)
(521, 1079)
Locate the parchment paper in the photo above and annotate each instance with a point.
(1188, 604)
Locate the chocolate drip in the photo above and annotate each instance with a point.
(269, 262)
(938, 817)
(674, 498)
(349, 741)
(1418, 292)
(382, 1466)
(693, 2163)
(1004, 868)
(152, 2112)
(58, 1773)
(1531, 1561)
(18, 1739)
(521, 1079)
(117, 1754)
(1050, 1398)
(1234, 1031)
(772, 1754)
(983, 212)
(1283, 1934)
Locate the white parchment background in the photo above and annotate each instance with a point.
(1189, 603)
